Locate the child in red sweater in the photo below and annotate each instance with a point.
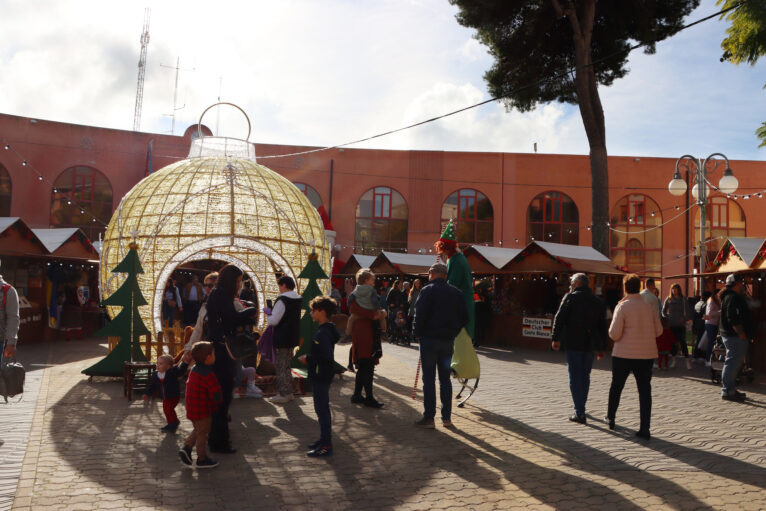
(665, 344)
(203, 394)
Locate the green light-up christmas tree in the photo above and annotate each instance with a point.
(127, 325)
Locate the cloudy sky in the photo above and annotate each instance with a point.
(324, 73)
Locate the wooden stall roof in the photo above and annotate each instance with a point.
(394, 263)
(488, 260)
(558, 257)
(17, 239)
(355, 263)
(67, 243)
(737, 255)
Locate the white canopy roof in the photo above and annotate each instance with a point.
(364, 260)
(7, 221)
(747, 248)
(410, 259)
(572, 251)
(54, 238)
(497, 256)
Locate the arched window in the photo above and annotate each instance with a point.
(5, 192)
(309, 192)
(381, 221)
(553, 216)
(79, 194)
(472, 214)
(636, 235)
(724, 218)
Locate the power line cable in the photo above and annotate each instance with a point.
(562, 74)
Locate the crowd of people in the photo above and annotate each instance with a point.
(644, 332)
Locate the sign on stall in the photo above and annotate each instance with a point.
(536, 327)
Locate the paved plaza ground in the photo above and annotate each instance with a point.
(73, 444)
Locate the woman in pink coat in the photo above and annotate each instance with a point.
(634, 330)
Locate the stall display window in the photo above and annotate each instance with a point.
(472, 215)
(381, 222)
(80, 194)
(636, 235)
(724, 218)
(553, 216)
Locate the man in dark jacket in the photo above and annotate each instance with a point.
(440, 314)
(580, 328)
(737, 328)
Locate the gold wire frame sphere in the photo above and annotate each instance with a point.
(213, 205)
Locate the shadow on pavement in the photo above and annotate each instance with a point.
(547, 484)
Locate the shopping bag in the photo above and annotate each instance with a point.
(12, 375)
(465, 362)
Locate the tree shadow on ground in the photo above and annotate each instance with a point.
(551, 485)
(711, 462)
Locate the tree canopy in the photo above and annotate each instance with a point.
(559, 50)
(745, 38)
(534, 49)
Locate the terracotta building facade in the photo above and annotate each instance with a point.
(56, 174)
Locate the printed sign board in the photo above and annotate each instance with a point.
(536, 327)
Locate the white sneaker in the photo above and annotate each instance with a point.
(280, 399)
(655, 366)
(672, 363)
(688, 363)
(707, 363)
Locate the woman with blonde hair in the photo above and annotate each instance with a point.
(634, 330)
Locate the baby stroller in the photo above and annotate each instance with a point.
(399, 334)
(717, 359)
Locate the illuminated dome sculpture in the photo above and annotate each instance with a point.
(216, 204)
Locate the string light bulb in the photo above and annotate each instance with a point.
(7, 147)
(24, 163)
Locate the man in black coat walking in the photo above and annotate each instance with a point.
(440, 314)
(580, 328)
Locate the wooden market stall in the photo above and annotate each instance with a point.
(395, 263)
(745, 257)
(23, 266)
(488, 260)
(355, 263)
(72, 252)
(530, 286)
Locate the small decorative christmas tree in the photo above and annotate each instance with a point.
(127, 325)
(313, 272)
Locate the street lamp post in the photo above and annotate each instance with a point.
(703, 168)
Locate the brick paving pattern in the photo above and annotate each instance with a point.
(512, 447)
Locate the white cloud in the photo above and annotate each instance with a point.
(322, 73)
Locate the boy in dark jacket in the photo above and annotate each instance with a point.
(165, 381)
(203, 395)
(321, 362)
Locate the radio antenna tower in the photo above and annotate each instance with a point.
(141, 71)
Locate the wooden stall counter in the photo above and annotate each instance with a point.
(31, 323)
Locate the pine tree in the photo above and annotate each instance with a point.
(313, 272)
(127, 325)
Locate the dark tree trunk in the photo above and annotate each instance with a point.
(581, 18)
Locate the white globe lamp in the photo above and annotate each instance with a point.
(728, 183)
(677, 186)
(696, 191)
